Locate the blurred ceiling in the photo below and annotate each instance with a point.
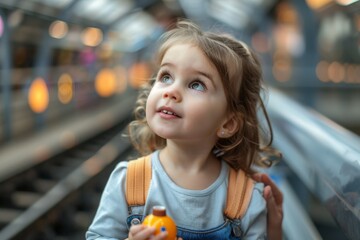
(135, 21)
(237, 14)
(140, 19)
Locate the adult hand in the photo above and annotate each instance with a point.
(274, 201)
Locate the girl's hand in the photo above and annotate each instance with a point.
(141, 232)
(274, 201)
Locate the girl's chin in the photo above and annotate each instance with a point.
(166, 135)
(163, 135)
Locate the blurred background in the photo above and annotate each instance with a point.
(70, 71)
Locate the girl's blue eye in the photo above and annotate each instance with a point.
(166, 79)
(198, 86)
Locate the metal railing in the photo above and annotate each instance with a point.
(323, 155)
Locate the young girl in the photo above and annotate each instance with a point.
(197, 119)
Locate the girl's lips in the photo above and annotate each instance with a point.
(167, 111)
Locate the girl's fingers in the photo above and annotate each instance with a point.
(141, 233)
(160, 236)
(134, 229)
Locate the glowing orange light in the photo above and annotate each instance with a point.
(317, 4)
(282, 67)
(106, 51)
(65, 88)
(92, 36)
(282, 70)
(121, 79)
(336, 72)
(139, 74)
(322, 71)
(58, 29)
(105, 82)
(286, 13)
(38, 96)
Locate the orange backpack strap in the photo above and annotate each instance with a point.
(239, 194)
(138, 177)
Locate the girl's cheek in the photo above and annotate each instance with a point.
(150, 107)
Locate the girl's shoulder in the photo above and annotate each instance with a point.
(121, 168)
(123, 165)
(118, 175)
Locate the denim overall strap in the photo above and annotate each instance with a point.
(135, 215)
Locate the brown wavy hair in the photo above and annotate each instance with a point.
(242, 80)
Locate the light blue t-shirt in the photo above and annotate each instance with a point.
(191, 209)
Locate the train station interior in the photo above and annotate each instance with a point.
(71, 71)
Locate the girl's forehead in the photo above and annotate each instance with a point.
(184, 49)
(183, 45)
(171, 44)
(188, 54)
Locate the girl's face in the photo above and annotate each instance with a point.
(187, 101)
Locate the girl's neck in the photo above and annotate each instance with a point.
(188, 156)
(190, 167)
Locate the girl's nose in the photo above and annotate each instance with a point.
(173, 94)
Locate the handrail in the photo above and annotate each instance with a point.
(324, 155)
(58, 138)
(297, 225)
(117, 148)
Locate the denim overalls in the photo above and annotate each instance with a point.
(229, 230)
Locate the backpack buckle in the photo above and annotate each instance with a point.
(134, 219)
(236, 227)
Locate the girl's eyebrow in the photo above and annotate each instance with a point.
(207, 75)
(166, 64)
(169, 64)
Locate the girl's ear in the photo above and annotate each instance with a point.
(229, 127)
